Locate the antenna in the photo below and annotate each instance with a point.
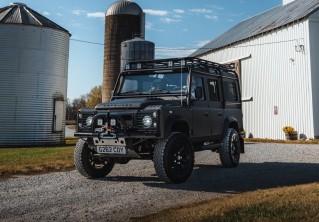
(181, 83)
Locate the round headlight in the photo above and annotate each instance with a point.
(89, 120)
(147, 121)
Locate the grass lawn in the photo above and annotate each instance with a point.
(36, 160)
(299, 203)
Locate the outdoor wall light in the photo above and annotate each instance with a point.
(300, 48)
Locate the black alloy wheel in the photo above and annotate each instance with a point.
(229, 153)
(174, 158)
(89, 163)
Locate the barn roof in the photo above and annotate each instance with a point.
(270, 20)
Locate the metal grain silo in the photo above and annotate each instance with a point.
(136, 49)
(123, 20)
(34, 54)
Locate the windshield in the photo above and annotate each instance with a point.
(158, 83)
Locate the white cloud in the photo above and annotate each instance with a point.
(155, 12)
(200, 11)
(148, 26)
(46, 13)
(59, 14)
(161, 53)
(76, 24)
(217, 7)
(179, 11)
(212, 17)
(95, 15)
(199, 44)
(79, 12)
(169, 20)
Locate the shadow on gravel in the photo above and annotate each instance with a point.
(246, 177)
(130, 179)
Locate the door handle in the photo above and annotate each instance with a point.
(207, 114)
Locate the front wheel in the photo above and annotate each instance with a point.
(229, 152)
(174, 158)
(89, 163)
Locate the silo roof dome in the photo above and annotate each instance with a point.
(124, 7)
(19, 13)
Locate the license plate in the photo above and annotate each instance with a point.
(111, 149)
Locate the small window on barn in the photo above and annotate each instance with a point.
(58, 115)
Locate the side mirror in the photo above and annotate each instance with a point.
(198, 92)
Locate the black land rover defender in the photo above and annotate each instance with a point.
(163, 110)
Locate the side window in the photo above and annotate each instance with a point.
(197, 82)
(231, 91)
(213, 90)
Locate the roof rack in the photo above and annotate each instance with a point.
(176, 63)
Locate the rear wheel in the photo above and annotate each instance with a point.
(174, 158)
(229, 153)
(89, 163)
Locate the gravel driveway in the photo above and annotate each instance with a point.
(133, 189)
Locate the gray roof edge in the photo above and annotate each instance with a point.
(207, 47)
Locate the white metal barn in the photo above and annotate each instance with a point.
(277, 57)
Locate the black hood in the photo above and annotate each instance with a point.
(134, 103)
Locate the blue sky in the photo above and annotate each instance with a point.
(177, 27)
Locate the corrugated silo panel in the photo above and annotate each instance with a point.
(136, 49)
(33, 74)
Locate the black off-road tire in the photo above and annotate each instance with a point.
(174, 158)
(87, 164)
(229, 153)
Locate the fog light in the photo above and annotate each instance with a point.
(113, 122)
(99, 122)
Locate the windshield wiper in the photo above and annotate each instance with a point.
(131, 92)
(159, 91)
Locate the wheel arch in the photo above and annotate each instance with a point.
(176, 124)
(231, 122)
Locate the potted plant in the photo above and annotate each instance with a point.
(290, 133)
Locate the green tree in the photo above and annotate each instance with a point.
(94, 97)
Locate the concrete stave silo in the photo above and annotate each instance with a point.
(123, 21)
(34, 54)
